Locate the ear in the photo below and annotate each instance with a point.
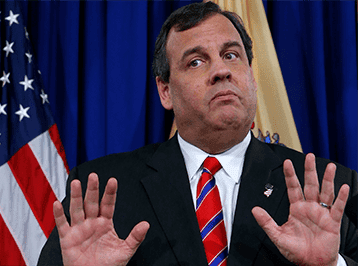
(164, 93)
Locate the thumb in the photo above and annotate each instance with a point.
(266, 222)
(137, 235)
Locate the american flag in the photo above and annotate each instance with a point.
(33, 167)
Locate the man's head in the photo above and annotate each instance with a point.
(185, 18)
(211, 87)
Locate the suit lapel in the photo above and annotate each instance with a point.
(261, 167)
(177, 217)
(170, 185)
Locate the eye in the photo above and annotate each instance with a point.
(230, 56)
(195, 63)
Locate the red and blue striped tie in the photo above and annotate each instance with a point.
(210, 215)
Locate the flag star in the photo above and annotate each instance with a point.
(27, 83)
(8, 48)
(29, 56)
(12, 18)
(2, 109)
(5, 78)
(22, 112)
(44, 97)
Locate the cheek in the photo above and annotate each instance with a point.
(247, 83)
(182, 97)
(252, 104)
(249, 91)
(188, 93)
(196, 94)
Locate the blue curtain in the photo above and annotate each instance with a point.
(95, 59)
(316, 43)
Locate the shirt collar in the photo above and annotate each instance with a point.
(231, 160)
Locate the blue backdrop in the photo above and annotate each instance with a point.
(316, 43)
(95, 59)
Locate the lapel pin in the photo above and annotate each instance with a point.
(268, 190)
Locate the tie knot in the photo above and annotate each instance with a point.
(212, 165)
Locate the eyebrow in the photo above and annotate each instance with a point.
(200, 49)
(230, 44)
(196, 49)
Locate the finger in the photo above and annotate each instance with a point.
(327, 190)
(109, 199)
(267, 223)
(91, 198)
(294, 190)
(76, 204)
(340, 203)
(137, 235)
(311, 188)
(60, 219)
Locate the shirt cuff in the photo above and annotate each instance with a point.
(341, 261)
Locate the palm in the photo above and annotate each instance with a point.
(311, 236)
(91, 238)
(91, 243)
(307, 232)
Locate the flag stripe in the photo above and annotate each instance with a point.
(55, 136)
(10, 253)
(35, 187)
(33, 168)
(51, 162)
(15, 209)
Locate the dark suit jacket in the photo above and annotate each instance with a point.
(153, 186)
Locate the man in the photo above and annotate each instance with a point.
(203, 72)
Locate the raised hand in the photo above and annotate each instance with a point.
(91, 238)
(311, 236)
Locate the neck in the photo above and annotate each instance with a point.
(215, 142)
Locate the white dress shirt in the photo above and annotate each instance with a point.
(227, 178)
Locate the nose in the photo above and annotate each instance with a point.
(220, 72)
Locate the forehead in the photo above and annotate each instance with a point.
(214, 30)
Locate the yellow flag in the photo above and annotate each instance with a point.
(274, 120)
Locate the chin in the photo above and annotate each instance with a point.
(230, 119)
(232, 122)
(227, 124)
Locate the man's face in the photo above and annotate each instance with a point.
(211, 85)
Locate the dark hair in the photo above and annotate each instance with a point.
(188, 17)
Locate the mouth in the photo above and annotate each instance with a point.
(225, 95)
